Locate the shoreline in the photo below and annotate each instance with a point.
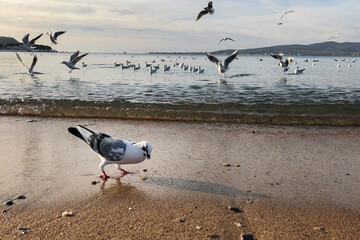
(291, 181)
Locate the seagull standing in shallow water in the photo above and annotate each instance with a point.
(207, 10)
(31, 68)
(113, 150)
(74, 58)
(53, 38)
(228, 60)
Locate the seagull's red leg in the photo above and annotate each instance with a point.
(124, 172)
(104, 176)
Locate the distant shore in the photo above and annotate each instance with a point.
(282, 182)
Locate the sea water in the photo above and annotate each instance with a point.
(254, 89)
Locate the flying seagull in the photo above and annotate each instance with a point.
(335, 36)
(26, 44)
(53, 38)
(113, 150)
(225, 39)
(286, 13)
(74, 58)
(31, 69)
(228, 60)
(283, 64)
(207, 10)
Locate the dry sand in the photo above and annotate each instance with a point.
(293, 182)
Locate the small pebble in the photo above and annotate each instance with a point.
(319, 228)
(213, 236)
(234, 209)
(4, 210)
(226, 164)
(245, 236)
(21, 197)
(94, 182)
(236, 165)
(23, 229)
(198, 227)
(9, 203)
(144, 170)
(32, 120)
(143, 178)
(181, 219)
(238, 224)
(67, 214)
(131, 209)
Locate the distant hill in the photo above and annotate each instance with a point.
(9, 43)
(324, 48)
(6, 41)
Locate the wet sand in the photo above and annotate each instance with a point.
(293, 182)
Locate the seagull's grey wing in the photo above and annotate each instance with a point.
(202, 13)
(18, 56)
(34, 39)
(230, 39)
(25, 39)
(58, 34)
(74, 61)
(276, 56)
(212, 58)
(33, 64)
(220, 41)
(112, 149)
(229, 59)
(74, 55)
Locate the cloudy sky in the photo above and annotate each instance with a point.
(168, 25)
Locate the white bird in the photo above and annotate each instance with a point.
(283, 64)
(31, 68)
(286, 13)
(26, 44)
(53, 38)
(113, 150)
(207, 10)
(74, 58)
(137, 67)
(228, 60)
(225, 39)
(335, 36)
(338, 65)
(299, 71)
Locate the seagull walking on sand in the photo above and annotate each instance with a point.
(74, 58)
(27, 45)
(31, 68)
(54, 37)
(335, 36)
(286, 13)
(283, 64)
(207, 10)
(113, 150)
(225, 39)
(228, 60)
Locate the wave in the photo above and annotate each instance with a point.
(313, 114)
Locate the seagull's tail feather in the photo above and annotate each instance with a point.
(82, 132)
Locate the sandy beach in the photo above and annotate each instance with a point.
(288, 182)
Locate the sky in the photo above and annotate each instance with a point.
(168, 25)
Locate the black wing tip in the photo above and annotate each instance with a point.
(74, 131)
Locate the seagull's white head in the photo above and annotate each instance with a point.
(147, 148)
(49, 33)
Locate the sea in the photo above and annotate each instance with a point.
(253, 90)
